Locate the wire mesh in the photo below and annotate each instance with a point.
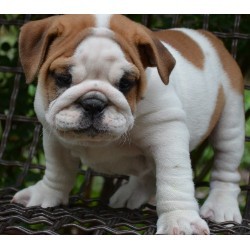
(85, 214)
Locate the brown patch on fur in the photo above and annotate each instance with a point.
(131, 97)
(51, 89)
(229, 64)
(58, 59)
(41, 39)
(51, 47)
(142, 49)
(217, 112)
(184, 45)
(60, 64)
(132, 56)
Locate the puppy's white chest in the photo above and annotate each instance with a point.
(113, 159)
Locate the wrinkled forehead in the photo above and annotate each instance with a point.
(96, 43)
(99, 56)
(99, 42)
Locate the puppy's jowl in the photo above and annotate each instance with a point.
(125, 100)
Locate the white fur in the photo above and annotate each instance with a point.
(170, 122)
(102, 20)
(105, 62)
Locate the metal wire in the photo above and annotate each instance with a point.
(89, 219)
(85, 215)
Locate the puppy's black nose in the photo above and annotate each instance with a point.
(93, 106)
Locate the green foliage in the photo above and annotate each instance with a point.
(21, 134)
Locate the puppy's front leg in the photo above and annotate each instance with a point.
(60, 172)
(177, 207)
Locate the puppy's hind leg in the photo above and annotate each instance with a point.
(228, 142)
(135, 193)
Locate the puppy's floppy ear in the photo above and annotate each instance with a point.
(34, 40)
(154, 54)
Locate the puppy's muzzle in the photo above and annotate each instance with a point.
(93, 104)
(92, 107)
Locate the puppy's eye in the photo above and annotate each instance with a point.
(125, 84)
(63, 80)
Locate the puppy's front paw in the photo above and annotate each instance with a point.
(181, 222)
(40, 195)
(221, 207)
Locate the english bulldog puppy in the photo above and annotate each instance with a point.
(125, 100)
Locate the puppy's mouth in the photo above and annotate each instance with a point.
(90, 131)
(80, 122)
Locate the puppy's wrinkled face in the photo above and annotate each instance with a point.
(91, 101)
